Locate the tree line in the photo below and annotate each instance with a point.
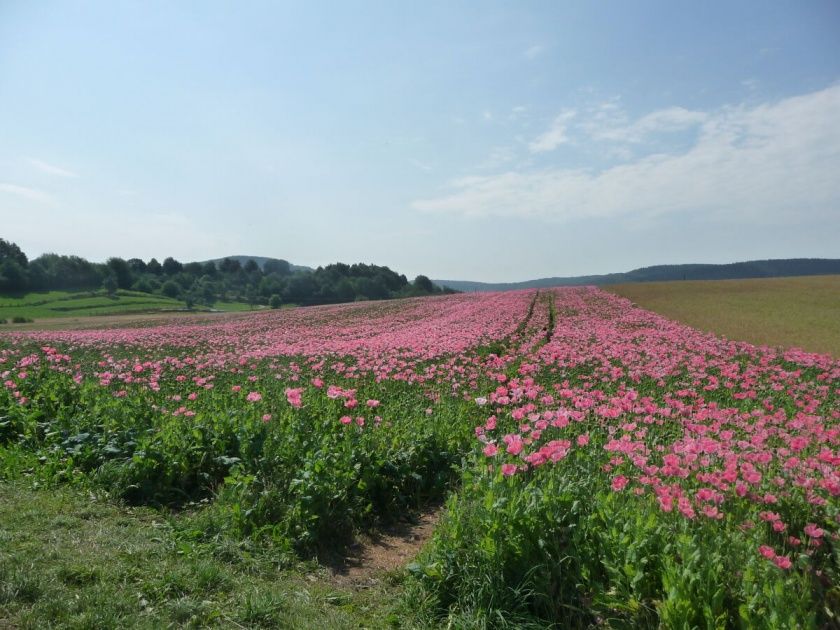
(229, 280)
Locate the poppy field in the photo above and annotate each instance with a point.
(595, 464)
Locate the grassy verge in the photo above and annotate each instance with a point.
(802, 312)
(70, 560)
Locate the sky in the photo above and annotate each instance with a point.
(495, 141)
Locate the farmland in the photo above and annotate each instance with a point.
(591, 463)
(803, 311)
(75, 304)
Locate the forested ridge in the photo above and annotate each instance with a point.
(273, 282)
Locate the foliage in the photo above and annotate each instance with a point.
(208, 283)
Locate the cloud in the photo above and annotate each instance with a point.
(555, 136)
(30, 194)
(773, 162)
(667, 120)
(51, 169)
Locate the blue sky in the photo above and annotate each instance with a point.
(490, 141)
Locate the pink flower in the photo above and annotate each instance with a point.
(508, 469)
(266, 417)
(783, 562)
(293, 396)
(619, 482)
(813, 531)
(345, 419)
(767, 552)
(514, 443)
(372, 403)
(254, 397)
(491, 450)
(583, 439)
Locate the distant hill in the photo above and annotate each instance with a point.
(260, 260)
(731, 271)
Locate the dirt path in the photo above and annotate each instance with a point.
(391, 549)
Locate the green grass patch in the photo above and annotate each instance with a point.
(69, 560)
(82, 303)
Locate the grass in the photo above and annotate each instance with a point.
(53, 304)
(799, 312)
(69, 560)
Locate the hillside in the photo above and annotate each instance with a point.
(732, 271)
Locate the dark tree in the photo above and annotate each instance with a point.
(194, 269)
(229, 265)
(171, 266)
(280, 267)
(154, 267)
(13, 277)
(276, 301)
(110, 284)
(251, 266)
(424, 284)
(136, 265)
(121, 271)
(170, 289)
(10, 251)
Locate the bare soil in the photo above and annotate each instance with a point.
(369, 558)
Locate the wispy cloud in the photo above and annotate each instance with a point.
(556, 134)
(666, 120)
(773, 162)
(51, 169)
(24, 192)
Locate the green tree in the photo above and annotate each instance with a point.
(154, 267)
(13, 277)
(110, 284)
(172, 266)
(275, 302)
(423, 284)
(170, 289)
(121, 271)
(229, 265)
(10, 251)
(136, 265)
(280, 267)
